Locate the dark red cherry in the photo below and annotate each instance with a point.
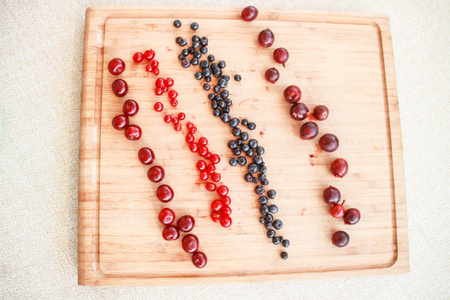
(190, 243)
(292, 94)
(170, 233)
(329, 142)
(120, 122)
(186, 223)
(199, 259)
(133, 132)
(116, 66)
(266, 38)
(130, 107)
(146, 156)
(281, 55)
(299, 111)
(249, 13)
(120, 87)
(156, 173)
(340, 238)
(272, 75)
(164, 193)
(352, 216)
(309, 130)
(331, 195)
(320, 112)
(166, 216)
(339, 167)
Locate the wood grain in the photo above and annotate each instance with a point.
(342, 60)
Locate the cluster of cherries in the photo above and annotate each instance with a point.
(207, 170)
(156, 174)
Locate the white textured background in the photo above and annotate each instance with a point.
(41, 46)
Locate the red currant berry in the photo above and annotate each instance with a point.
(130, 107)
(158, 91)
(174, 102)
(189, 125)
(159, 107)
(149, 54)
(203, 141)
(190, 138)
(204, 175)
(222, 190)
(156, 71)
(116, 66)
(173, 94)
(148, 68)
(226, 210)
(226, 221)
(177, 127)
(199, 259)
(170, 233)
(339, 167)
(181, 116)
(138, 57)
(211, 187)
(175, 120)
(133, 132)
(120, 122)
(201, 165)
(226, 200)
(186, 223)
(215, 159)
(292, 94)
(208, 155)
(156, 174)
(164, 193)
(216, 205)
(146, 156)
(190, 243)
(215, 217)
(166, 216)
(168, 82)
(211, 169)
(120, 87)
(337, 211)
(193, 147)
(167, 118)
(203, 151)
(216, 177)
(165, 88)
(193, 129)
(159, 82)
(249, 13)
(154, 64)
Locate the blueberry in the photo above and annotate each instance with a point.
(186, 63)
(269, 218)
(263, 169)
(277, 224)
(206, 87)
(242, 161)
(234, 122)
(237, 77)
(260, 150)
(255, 180)
(263, 199)
(226, 77)
(214, 104)
(198, 75)
(251, 126)
(232, 144)
(194, 26)
(273, 209)
(276, 240)
(228, 102)
(197, 54)
(237, 151)
(204, 64)
(286, 243)
(217, 73)
(262, 220)
(284, 255)
(225, 117)
(249, 152)
(177, 23)
(185, 52)
(252, 168)
(214, 66)
(225, 94)
(245, 147)
(204, 50)
(216, 89)
(226, 109)
(204, 41)
(244, 136)
(180, 41)
(265, 182)
(253, 143)
(271, 194)
(216, 112)
(257, 159)
(218, 98)
(195, 38)
(181, 57)
(248, 177)
(194, 61)
(206, 72)
(239, 142)
(270, 233)
(222, 64)
(211, 96)
(268, 225)
(191, 50)
(222, 104)
(236, 131)
(195, 45)
(259, 189)
(207, 78)
(262, 176)
(211, 57)
(222, 83)
(233, 162)
(244, 122)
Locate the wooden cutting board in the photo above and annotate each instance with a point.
(342, 60)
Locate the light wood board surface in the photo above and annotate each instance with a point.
(344, 61)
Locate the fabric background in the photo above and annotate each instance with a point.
(41, 47)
